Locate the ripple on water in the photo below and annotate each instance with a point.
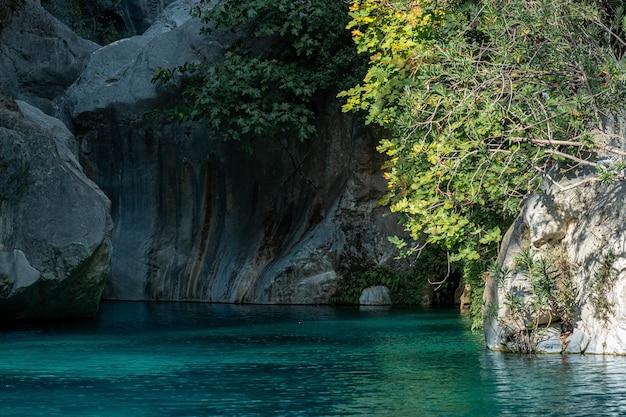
(214, 360)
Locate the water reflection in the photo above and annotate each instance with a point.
(216, 360)
(572, 385)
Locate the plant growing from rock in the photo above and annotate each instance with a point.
(603, 280)
(6, 285)
(549, 297)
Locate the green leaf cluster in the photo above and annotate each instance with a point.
(285, 54)
(552, 292)
(603, 281)
(405, 288)
(481, 99)
(551, 297)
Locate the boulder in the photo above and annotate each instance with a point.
(198, 219)
(119, 74)
(55, 228)
(375, 296)
(40, 57)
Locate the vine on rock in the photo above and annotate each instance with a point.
(604, 278)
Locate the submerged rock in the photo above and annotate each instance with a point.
(55, 243)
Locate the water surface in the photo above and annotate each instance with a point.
(146, 359)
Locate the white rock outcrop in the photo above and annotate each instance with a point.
(583, 222)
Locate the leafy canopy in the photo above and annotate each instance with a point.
(480, 99)
(284, 54)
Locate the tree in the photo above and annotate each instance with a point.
(481, 99)
(285, 54)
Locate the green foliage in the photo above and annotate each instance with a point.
(481, 99)
(603, 280)
(285, 54)
(405, 288)
(474, 275)
(551, 297)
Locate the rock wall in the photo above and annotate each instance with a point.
(55, 227)
(584, 223)
(198, 219)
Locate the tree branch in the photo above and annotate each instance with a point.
(548, 142)
(571, 158)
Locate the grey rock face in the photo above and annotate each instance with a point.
(55, 245)
(583, 221)
(119, 74)
(375, 296)
(198, 219)
(40, 57)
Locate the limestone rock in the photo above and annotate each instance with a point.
(464, 300)
(55, 245)
(198, 219)
(584, 222)
(40, 57)
(375, 296)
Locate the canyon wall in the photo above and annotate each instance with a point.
(200, 219)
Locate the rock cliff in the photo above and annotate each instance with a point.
(55, 226)
(199, 219)
(194, 218)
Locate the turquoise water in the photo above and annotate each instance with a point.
(146, 359)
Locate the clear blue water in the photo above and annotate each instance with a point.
(145, 359)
